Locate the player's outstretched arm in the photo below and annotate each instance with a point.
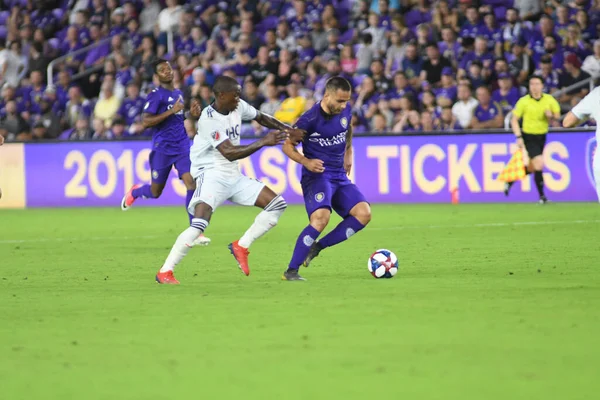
(313, 165)
(232, 152)
(149, 120)
(268, 121)
(570, 120)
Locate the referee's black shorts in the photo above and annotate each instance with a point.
(534, 144)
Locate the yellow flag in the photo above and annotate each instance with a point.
(514, 170)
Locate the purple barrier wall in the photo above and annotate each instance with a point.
(387, 169)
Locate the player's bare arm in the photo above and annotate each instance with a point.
(268, 121)
(313, 165)
(1, 140)
(348, 153)
(232, 152)
(149, 120)
(571, 120)
(516, 128)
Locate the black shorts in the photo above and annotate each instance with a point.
(534, 144)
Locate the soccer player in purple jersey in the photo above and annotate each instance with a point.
(163, 113)
(326, 162)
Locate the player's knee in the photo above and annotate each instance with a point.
(156, 191)
(363, 213)
(319, 219)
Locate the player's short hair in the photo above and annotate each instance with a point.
(338, 83)
(225, 84)
(156, 63)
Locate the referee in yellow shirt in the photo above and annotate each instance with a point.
(538, 110)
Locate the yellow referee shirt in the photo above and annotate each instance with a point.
(533, 113)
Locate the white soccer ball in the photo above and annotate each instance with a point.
(383, 264)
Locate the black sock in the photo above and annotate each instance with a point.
(539, 182)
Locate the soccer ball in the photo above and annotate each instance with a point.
(383, 264)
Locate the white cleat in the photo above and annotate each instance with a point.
(201, 241)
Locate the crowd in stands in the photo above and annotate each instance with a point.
(416, 65)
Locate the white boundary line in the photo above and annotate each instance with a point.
(389, 228)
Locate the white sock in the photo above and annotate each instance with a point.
(596, 165)
(183, 244)
(264, 221)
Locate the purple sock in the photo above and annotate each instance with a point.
(188, 198)
(143, 191)
(305, 240)
(348, 227)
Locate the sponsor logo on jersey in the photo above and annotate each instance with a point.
(590, 149)
(315, 134)
(215, 135)
(340, 138)
(233, 132)
(344, 122)
(319, 197)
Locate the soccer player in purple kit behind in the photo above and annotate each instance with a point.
(326, 162)
(163, 113)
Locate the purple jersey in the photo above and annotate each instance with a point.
(131, 109)
(168, 137)
(325, 139)
(487, 114)
(507, 101)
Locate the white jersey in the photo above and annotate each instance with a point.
(590, 107)
(213, 129)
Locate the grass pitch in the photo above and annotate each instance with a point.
(491, 302)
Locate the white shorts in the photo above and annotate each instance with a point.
(214, 188)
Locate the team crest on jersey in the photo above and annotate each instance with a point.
(590, 149)
(154, 174)
(215, 135)
(319, 197)
(344, 122)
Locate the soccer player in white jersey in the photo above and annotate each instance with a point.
(214, 156)
(589, 107)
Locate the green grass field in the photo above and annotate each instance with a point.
(491, 302)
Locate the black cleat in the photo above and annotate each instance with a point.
(507, 187)
(543, 200)
(292, 275)
(314, 251)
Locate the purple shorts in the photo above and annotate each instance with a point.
(339, 194)
(161, 164)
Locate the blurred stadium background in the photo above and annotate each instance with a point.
(79, 70)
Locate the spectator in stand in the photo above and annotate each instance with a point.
(81, 130)
(132, 107)
(506, 95)
(588, 31)
(591, 64)
(427, 122)
(117, 26)
(394, 54)
(562, 22)
(480, 53)
(37, 60)
(447, 121)
(549, 74)
(572, 75)
(519, 62)
(434, 65)
(449, 46)
(285, 69)
(383, 107)
(49, 120)
(447, 90)
(12, 125)
(493, 34)
(285, 38)
(108, 106)
(77, 106)
(379, 124)
(382, 83)
(377, 33)
(410, 122)
(348, 61)
(513, 29)
(412, 65)
(575, 44)
(100, 132)
(529, 10)
(12, 64)
(333, 47)
(168, 19)
(487, 114)
(465, 106)
(250, 94)
(96, 55)
(365, 54)
(34, 92)
(444, 17)
(472, 27)
(366, 103)
(118, 129)
(292, 107)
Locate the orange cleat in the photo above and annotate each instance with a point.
(128, 199)
(166, 278)
(241, 256)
